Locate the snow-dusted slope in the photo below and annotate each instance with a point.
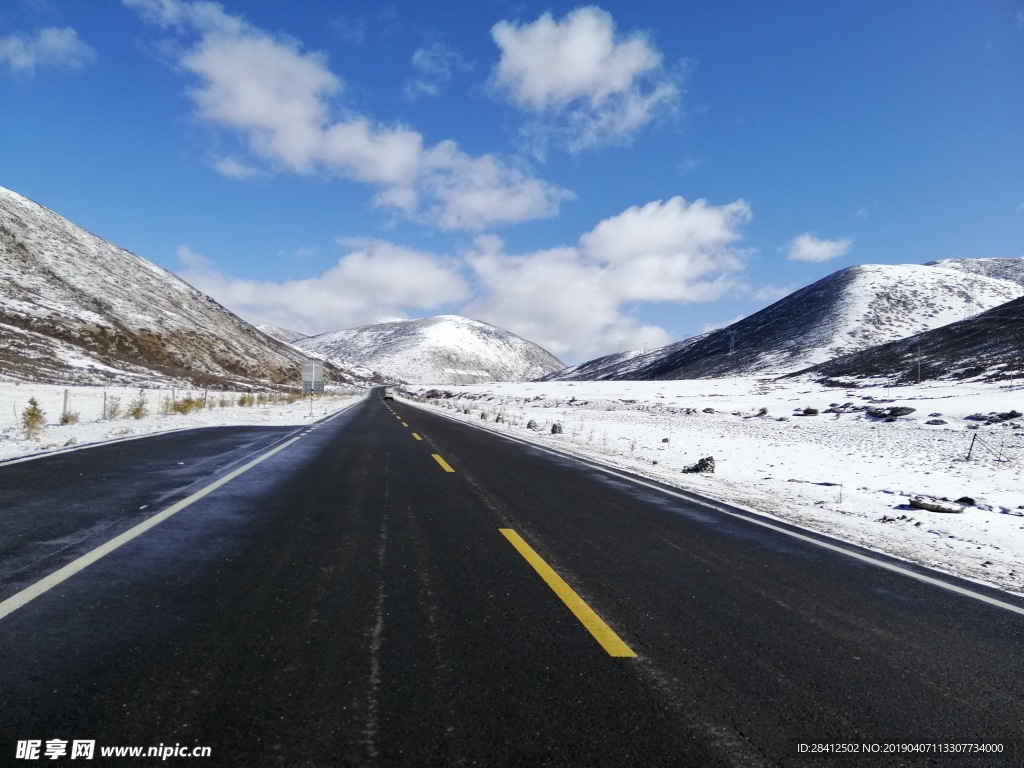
(1005, 269)
(448, 349)
(281, 334)
(850, 310)
(75, 308)
(989, 346)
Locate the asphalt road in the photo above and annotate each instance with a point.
(372, 594)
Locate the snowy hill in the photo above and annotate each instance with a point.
(989, 346)
(1005, 269)
(850, 310)
(448, 349)
(281, 334)
(75, 308)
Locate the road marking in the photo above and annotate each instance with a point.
(404, 424)
(44, 585)
(604, 634)
(750, 518)
(416, 436)
(444, 464)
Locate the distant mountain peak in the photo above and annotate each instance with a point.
(444, 349)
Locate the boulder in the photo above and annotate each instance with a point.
(707, 464)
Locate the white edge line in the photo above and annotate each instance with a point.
(764, 523)
(96, 444)
(113, 440)
(44, 585)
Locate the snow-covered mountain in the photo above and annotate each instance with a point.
(281, 334)
(75, 308)
(448, 349)
(850, 310)
(989, 346)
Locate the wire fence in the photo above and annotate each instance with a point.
(1004, 449)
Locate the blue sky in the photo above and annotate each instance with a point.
(593, 177)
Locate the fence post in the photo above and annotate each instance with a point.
(975, 437)
(64, 413)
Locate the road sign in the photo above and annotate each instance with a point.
(313, 377)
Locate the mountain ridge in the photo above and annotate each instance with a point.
(847, 311)
(987, 346)
(75, 308)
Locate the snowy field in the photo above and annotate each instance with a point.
(849, 474)
(103, 414)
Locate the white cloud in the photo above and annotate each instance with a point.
(573, 300)
(278, 98)
(474, 192)
(60, 48)
(434, 67)
(807, 247)
(578, 300)
(588, 85)
(556, 299)
(234, 169)
(373, 280)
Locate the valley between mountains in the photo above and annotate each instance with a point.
(464, 539)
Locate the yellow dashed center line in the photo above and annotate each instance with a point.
(594, 624)
(444, 464)
(404, 424)
(416, 436)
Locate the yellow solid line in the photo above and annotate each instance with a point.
(444, 464)
(594, 624)
(416, 436)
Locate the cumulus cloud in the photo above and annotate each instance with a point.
(574, 300)
(374, 279)
(578, 300)
(434, 67)
(60, 48)
(279, 99)
(807, 247)
(588, 85)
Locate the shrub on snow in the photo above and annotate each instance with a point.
(33, 419)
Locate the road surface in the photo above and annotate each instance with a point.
(393, 588)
